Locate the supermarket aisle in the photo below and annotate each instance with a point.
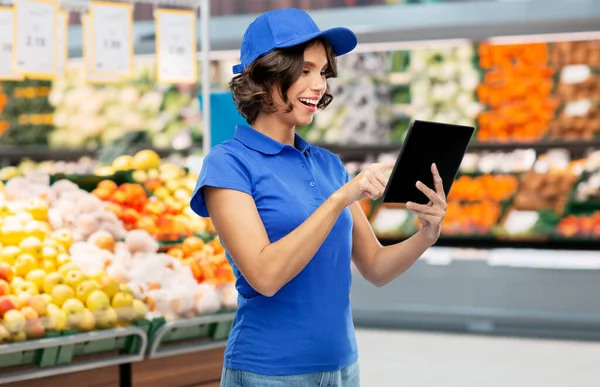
(416, 359)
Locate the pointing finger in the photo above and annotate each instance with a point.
(437, 180)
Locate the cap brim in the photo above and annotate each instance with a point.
(342, 40)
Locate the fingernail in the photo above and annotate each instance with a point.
(409, 204)
(418, 183)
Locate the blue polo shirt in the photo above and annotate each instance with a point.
(307, 325)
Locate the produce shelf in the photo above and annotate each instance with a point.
(177, 337)
(61, 356)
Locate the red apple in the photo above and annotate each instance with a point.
(7, 272)
(5, 305)
(4, 288)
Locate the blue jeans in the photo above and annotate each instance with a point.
(346, 377)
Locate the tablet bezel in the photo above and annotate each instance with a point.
(411, 128)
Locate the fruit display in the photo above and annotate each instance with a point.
(517, 161)
(207, 260)
(580, 226)
(443, 84)
(88, 116)
(473, 218)
(544, 191)
(517, 89)
(83, 166)
(583, 52)
(26, 117)
(486, 187)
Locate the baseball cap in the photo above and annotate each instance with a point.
(288, 27)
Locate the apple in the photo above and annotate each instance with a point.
(97, 301)
(62, 259)
(24, 264)
(139, 310)
(7, 272)
(73, 278)
(64, 237)
(47, 298)
(22, 300)
(48, 266)
(37, 276)
(110, 286)
(19, 337)
(34, 329)
(61, 293)
(39, 304)
(125, 289)
(87, 321)
(29, 313)
(49, 253)
(67, 267)
(14, 321)
(73, 309)
(4, 288)
(123, 304)
(8, 254)
(57, 319)
(51, 281)
(6, 304)
(106, 319)
(32, 246)
(27, 287)
(85, 288)
(4, 335)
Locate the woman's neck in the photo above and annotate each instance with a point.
(271, 126)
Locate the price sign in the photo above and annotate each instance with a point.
(35, 48)
(87, 56)
(61, 43)
(7, 33)
(176, 46)
(112, 39)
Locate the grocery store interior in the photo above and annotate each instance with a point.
(108, 278)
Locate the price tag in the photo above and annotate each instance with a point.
(62, 49)
(87, 57)
(575, 74)
(112, 39)
(176, 46)
(35, 48)
(578, 108)
(7, 32)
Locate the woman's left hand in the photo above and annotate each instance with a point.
(433, 213)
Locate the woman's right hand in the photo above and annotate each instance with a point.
(369, 183)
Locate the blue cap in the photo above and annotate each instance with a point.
(288, 27)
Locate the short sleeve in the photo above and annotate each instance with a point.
(222, 169)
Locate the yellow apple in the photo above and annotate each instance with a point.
(32, 246)
(139, 310)
(67, 267)
(110, 286)
(97, 301)
(107, 319)
(19, 337)
(74, 277)
(64, 237)
(49, 253)
(4, 335)
(37, 276)
(87, 321)
(61, 293)
(47, 298)
(27, 287)
(57, 319)
(22, 300)
(9, 254)
(14, 321)
(73, 308)
(62, 258)
(123, 305)
(24, 264)
(39, 304)
(85, 288)
(126, 289)
(52, 280)
(48, 266)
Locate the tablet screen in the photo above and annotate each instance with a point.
(427, 143)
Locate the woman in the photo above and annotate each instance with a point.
(287, 213)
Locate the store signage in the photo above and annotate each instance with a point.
(176, 46)
(35, 40)
(112, 39)
(61, 43)
(87, 56)
(7, 33)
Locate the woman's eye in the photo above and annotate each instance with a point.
(305, 72)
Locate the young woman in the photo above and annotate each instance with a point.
(287, 213)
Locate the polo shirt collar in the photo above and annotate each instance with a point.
(255, 140)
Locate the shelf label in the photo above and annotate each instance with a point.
(111, 27)
(35, 40)
(87, 57)
(176, 46)
(62, 48)
(7, 33)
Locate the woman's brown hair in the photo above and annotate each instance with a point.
(280, 68)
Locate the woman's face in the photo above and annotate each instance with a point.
(307, 91)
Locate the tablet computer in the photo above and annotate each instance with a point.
(427, 143)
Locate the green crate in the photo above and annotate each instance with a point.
(43, 358)
(221, 330)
